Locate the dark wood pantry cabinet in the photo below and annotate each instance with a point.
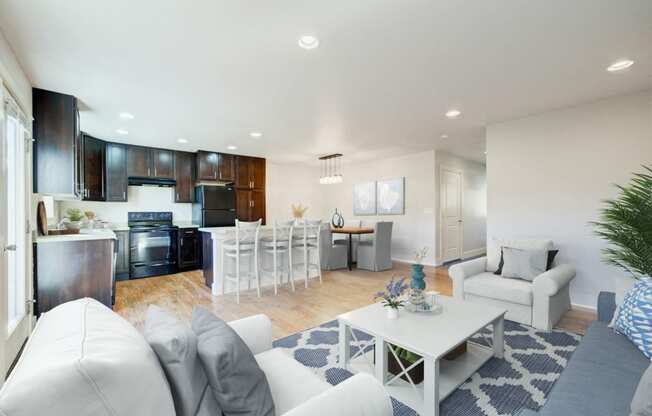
(58, 157)
(249, 172)
(184, 190)
(116, 172)
(94, 165)
(250, 205)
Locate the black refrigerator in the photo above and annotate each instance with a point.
(214, 206)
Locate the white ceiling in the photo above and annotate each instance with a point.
(212, 71)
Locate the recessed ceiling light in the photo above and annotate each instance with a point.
(182, 140)
(485, 152)
(620, 65)
(232, 147)
(126, 116)
(308, 42)
(122, 132)
(444, 136)
(256, 134)
(453, 113)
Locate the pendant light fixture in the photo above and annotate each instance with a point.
(331, 169)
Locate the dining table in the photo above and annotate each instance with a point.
(351, 231)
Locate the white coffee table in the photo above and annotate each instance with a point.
(431, 337)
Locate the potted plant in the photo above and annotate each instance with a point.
(74, 217)
(392, 296)
(626, 223)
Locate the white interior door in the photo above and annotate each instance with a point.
(451, 214)
(14, 230)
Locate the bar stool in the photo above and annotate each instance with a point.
(278, 247)
(243, 247)
(306, 236)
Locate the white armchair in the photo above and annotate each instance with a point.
(540, 303)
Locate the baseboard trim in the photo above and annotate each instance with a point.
(413, 262)
(474, 253)
(579, 306)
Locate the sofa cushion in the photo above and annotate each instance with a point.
(489, 285)
(642, 400)
(83, 359)
(176, 347)
(279, 367)
(238, 383)
(635, 316)
(600, 378)
(493, 249)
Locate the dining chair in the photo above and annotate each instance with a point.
(243, 247)
(333, 256)
(343, 239)
(305, 236)
(376, 254)
(277, 246)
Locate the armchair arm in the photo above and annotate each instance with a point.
(550, 282)
(459, 272)
(606, 306)
(360, 395)
(255, 331)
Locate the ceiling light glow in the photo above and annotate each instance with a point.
(444, 136)
(232, 147)
(620, 65)
(126, 116)
(256, 134)
(453, 113)
(182, 140)
(308, 42)
(122, 132)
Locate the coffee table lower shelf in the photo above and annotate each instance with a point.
(451, 375)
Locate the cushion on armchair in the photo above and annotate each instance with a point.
(493, 249)
(523, 264)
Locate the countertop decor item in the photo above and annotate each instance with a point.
(626, 223)
(392, 296)
(298, 211)
(73, 217)
(337, 221)
(42, 218)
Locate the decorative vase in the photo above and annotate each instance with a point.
(417, 277)
(73, 225)
(392, 313)
(337, 221)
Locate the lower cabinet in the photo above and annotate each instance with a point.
(122, 259)
(189, 249)
(250, 205)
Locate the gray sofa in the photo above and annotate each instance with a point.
(602, 374)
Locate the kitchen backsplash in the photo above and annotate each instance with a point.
(140, 198)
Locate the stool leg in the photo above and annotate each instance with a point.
(222, 261)
(291, 267)
(275, 273)
(306, 261)
(237, 276)
(256, 272)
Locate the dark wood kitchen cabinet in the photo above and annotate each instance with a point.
(162, 163)
(94, 169)
(207, 165)
(189, 248)
(116, 172)
(138, 162)
(184, 190)
(226, 167)
(249, 172)
(57, 160)
(122, 257)
(250, 205)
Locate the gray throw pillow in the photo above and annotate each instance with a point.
(238, 383)
(642, 400)
(524, 264)
(175, 344)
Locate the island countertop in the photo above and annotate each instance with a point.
(84, 235)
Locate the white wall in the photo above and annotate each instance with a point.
(474, 197)
(547, 174)
(12, 75)
(293, 184)
(411, 231)
(140, 198)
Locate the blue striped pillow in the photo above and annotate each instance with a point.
(635, 316)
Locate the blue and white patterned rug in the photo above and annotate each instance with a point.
(524, 378)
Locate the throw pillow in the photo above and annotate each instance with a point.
(549, 261)
(635, 316)
(523, 264)
(238, 383)
(642, 401)
(623, 285)
(176, 347)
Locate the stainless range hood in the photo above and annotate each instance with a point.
(134, 181)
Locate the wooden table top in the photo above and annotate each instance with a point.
(352, 230)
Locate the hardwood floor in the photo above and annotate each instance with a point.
(290, 312)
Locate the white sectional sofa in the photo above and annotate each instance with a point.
(83, 359)
(539, 303)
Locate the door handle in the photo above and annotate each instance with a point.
(10, 247)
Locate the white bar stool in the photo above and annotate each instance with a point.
(306, 237)
(243, 246)
(278, 247)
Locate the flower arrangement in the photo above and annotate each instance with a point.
(392, 295)
(419, 255)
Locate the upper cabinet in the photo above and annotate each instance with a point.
(94, 165)
(116, 172)
(249, 172)
(146, 162)
(58, 155)
(207, 166)
(226, 168)
(185, 177)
